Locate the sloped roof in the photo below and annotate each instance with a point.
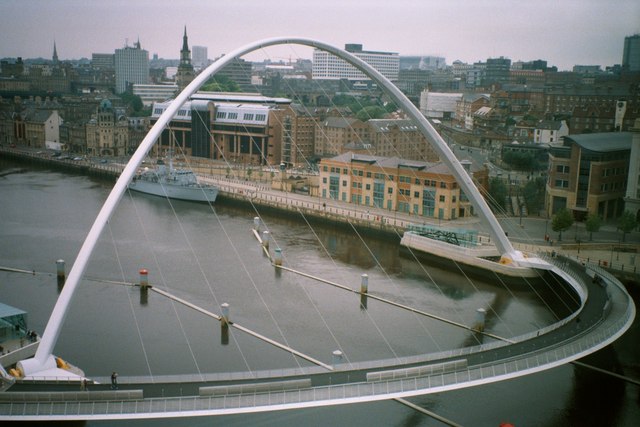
(8, 311)
(397, 162)
(384, 125)
(549, 124)
(339, 122)
(483, 111)
(602, 142)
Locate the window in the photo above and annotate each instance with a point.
(562, 169)
(221, 115)
(416, 194)
(443, 184)
(324, 179)
(232, 116)
(344, 183)
(261, 117)
(561, 183)
(368, 187)
(443, 199)
(247, 116)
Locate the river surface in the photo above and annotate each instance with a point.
(209, 256)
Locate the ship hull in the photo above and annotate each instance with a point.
(193, 193)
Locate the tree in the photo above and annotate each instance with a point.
(563, 220)
(370, 112)
(497, 194)
(533, 194)
(220, 83)
(520, 160)
(592, 224)
(133, 101)
(626, 223)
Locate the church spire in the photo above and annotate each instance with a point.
(185, 53)
(185, 73)
(55, 53)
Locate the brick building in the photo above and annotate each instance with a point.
(588, 174)
(420, 188)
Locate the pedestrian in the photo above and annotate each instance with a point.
(114, 381)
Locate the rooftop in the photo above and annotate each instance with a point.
(602, 142)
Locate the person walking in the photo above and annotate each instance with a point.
(114, 381)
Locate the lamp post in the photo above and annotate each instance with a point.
(521, 209)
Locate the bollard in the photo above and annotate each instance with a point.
(336, 358)
(363, 301)
(60, 270)
(278, 257)
(144, 295)
(364, 284)
(256, 223)
(225, 313)
(481, 315)
(265, 239)
(144, 280)
(224, 334)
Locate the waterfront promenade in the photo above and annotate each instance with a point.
(527, 233)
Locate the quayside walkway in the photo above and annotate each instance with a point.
(603, 316)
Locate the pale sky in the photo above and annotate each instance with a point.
(563, 32)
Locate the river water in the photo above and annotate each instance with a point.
(209, 256)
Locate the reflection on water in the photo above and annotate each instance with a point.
(210, 256)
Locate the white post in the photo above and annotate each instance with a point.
(364, 283)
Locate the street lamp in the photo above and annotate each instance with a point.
(521, 209)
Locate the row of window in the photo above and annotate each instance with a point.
(613, 171)
(246, 116)
(402, 191)
(381, 176)
(613, 186)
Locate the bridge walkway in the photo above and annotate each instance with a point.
(606, 311)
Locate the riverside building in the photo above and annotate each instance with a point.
(420, 188)
(588, 174)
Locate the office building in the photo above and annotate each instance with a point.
(632, 197)
(328, 66)
(396, 184)
(588, 174)
(132, 66)
(199, 57)
(631, 53)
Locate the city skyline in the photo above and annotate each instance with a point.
(564, 33)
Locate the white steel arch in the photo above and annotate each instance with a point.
(43, 358)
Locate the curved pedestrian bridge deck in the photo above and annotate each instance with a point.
(606, 313)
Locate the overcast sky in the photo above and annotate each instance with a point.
(563, 32)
